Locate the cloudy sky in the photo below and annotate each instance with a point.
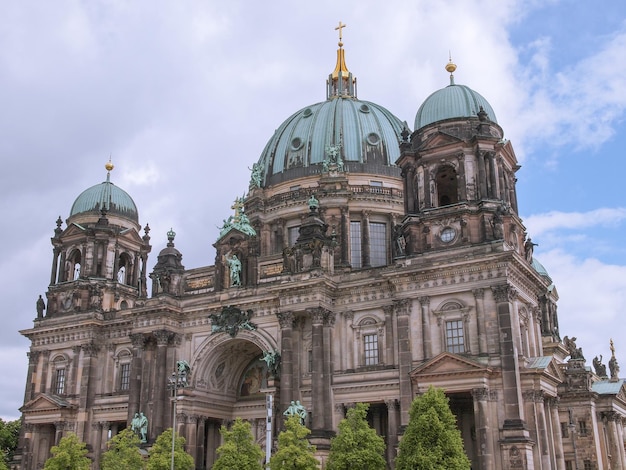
(184, 95)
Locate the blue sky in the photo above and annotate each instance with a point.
(184, 95)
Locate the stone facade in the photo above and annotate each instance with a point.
(370, 287)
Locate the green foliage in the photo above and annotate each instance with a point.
(294, 450)
(239, 449)
(3, 459)
(9, 434)
(68, 455)
(161, 453)
(431, 440)
(123, 452)
(357, 446)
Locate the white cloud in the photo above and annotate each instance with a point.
(539, 224)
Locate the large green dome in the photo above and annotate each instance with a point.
(368, 136)
(363, 135)
(452, 102)
(106, 196)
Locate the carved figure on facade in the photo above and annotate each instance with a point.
(333, 160)
(231, 320)
(239, 221)
(272, 359)
(613, 365)
(139, 425)
(234, 266)
(599, 367)
(528, 249)
(296, 409)
(575, 352)
(256, 175)
(399, 242)
(41, 306)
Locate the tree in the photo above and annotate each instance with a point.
(69, 455)
(9, 434)
(123, 452)
(239, 449)
(161, 453)
(357, 446)
(431, 440)
(3, 459)
(294, 451)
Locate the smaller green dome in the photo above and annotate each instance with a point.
(453, 101)
(107, 196)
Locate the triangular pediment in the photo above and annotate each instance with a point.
(233, 233)
(546, 366)
(448, 364)
(439, 139)
(45, 403)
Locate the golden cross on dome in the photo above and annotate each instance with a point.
(340, 27)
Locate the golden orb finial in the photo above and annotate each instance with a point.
(450, 66)
(108, 165)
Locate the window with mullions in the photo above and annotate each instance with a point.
(355, 244)
(370, 343)
(59, 381)
(293, 233)
(455, 339)
(125, 376)
(378, 244)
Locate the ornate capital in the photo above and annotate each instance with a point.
(285, 319)
(162, 337)
(403, 307)
(329, 319)
(478, 293)
(533, 396)
(348, 315)
(392, 404)
(90, 349)
(424, 301)
(138, 340)
(480, 394)
(503, 293)
(318, 315)
(33, 356)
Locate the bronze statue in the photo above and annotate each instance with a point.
(41, 306)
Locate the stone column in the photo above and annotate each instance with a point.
(285, 320)
(620, 435)
(482, 176)
(365, 239)
(55, 265)
(403, 313)
(200, 438)
(317, 373)
(392, 430)
(349, 334)
(479, 297)
(191, 432)
(462, 183)
(160, 398)
(87, 390)
(426, 333)
(614, 442)
(345, 236)
(515, 444)
(329, 324)
(483, 428)
(33, 359)
(557, 438)
(59, 426)
(389, 349)
(44, 370)
(136, 368)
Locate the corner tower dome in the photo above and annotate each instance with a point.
(452, 102)
(365, 135)
(105, 196)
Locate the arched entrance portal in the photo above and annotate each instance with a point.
(230, 381)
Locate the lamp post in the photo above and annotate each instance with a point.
(176, 381)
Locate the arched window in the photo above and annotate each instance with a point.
(73, 265)
(447, 186)
(124, 269)
(59, 376)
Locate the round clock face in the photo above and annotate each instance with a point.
(447, 234)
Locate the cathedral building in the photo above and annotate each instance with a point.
(366, 263)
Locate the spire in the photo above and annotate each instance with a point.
(105, 203)
(340, 82)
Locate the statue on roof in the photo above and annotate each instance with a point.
(613, 365)
(256, 176)
(574, 351)
(599, 367)
(239, 221)
(41, 306)
(528, 249)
